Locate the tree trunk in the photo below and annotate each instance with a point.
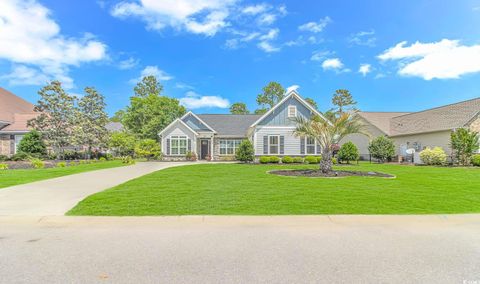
(326, 161)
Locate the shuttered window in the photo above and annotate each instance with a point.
(273, 144)
(310, 145)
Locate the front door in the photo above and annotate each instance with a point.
(205, 148)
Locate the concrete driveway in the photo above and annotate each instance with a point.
(57, 196)
(317, 249)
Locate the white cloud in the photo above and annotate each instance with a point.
(265, 43)
(235, 43)
(193, 100)
(365, 38)
(320, 55)
(152, 71)
(315, 27)
(365, 69)
(332, 63)
(205, 17)
(23, 75)
(128, 63)
(267, 19)
(255, 9)
(29, 36)
(293, 88)
(180, 85)
(268, 47)
(445, 59)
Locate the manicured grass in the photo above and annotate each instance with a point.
(15, 177)
(234, 189)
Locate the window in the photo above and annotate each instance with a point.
(310, 145)
(292, 111)
(18, 138)
(273, 144)
(229, 146)
(178, 145)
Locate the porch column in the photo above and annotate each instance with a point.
(211, 148)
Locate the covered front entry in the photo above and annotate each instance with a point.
(204, 149)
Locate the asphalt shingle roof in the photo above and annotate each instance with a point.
(380, 119)
(230, 124)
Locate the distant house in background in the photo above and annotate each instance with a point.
(418, 130)
(15, 112)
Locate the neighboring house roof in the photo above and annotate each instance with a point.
(19, 123)
(436, 119)
(15, 112)
(114, 126)
(381, 120)
(230, 124)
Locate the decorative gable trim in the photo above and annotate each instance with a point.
(173, 123)
(198, 118)
(294, 94)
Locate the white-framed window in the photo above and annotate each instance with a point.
(292, 111)
(18, 138)
(310, 145)
(178, 145)
(229, 146)
(273, 144)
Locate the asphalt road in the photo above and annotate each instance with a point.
(321, 249)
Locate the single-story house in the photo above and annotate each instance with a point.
(15, 112)
(418, 130)
(217, 136)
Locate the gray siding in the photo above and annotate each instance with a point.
(177, 129)
(195, 124)
(279, 117)
(291, 143)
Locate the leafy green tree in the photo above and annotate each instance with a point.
(464, 144)
(312, 102)
(148, 112)
(382, 148)
(245, 152)
(118, 116)
(33, 144)
(343, 101)
(148, 148)
(328, 133)
(91, 119)
(348, 152)
(122, 143)
(56, 119)
(239, 108)
(272, 94)
(261, 111)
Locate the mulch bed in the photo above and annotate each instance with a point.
(332, 174)
(18, 165)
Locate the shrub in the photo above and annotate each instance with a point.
(148, 148)
(382, 148)
(32, 143)
(20, 156)
(435, 156)
(3, 158)
(3, 166)
(334, 161)
(464, 143)
(102, 159)
(37, 163)
(61, 164)
(122, 143)
(191, 156)
(128, 160)
(476, 160)
(298, 160)
(83, 162)
(274, 159)
(245, 152)
(311, 160)
(348, 152)
(264, 159)
(287, 160)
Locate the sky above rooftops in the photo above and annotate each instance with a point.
(391, 55)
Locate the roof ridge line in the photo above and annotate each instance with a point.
(433, 108)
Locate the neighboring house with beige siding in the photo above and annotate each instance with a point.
(418, 130)
(15, 112)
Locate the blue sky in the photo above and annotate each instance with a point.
(391, 55)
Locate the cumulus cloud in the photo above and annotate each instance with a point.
(445, 59)
(30, 38)
(152, 71)
(255, 9)
(365, 38)
(364, 69)
(332, 63)
(315, 27)
(293, 88)
(193, 100)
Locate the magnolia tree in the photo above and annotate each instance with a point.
(464, 144)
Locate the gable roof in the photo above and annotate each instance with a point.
(198, 118)
(436, 119)
(291, 93)
(380, 120)
(11, 104)
(178, 120)
(234, 125)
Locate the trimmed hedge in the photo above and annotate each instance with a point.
(312, 159)
(298, 160)
(476, 160)
(274, 160)
(287, 160)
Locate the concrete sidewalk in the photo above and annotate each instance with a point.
(57, 196)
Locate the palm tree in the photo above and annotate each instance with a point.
(327, 133)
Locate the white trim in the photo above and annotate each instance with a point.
(173, 123)
(178, 147)
(277, 127)
(194, 115)
(278, 144)
(292, 93)
(294, 107)
(314, 146)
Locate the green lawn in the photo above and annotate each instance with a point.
(14, 177)
(234, 189)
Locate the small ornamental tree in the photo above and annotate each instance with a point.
(245, 152)
(148, 148)
(348, 152)
(382, 148)
(33, 144)
(464, 144)
(435, 156)
(122, 143)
